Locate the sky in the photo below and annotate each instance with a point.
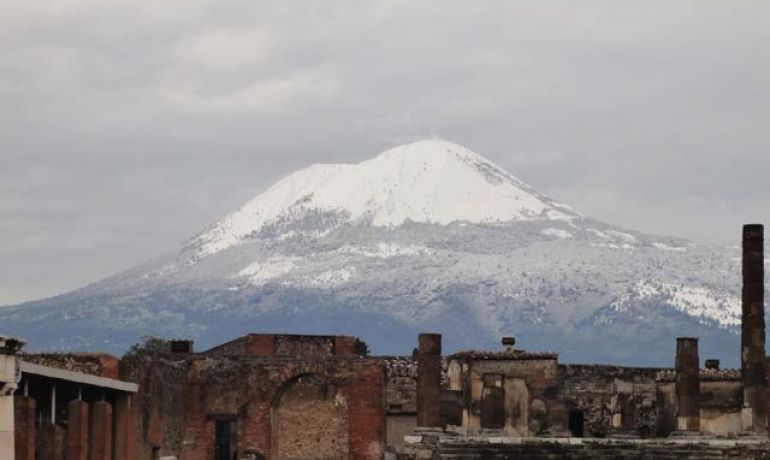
(128, 126)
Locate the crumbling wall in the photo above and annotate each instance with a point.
(721, 395)
(720, 407)
(311, 421)
(185, 395)
(589, 389)
(289, 345)
(99, 364)
(301, 346)
(400, 397)
(529, 391)
(161, 400)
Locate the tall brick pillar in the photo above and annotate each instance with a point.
(687, 385)
(429, 381)
(26, 431)
(125, 428)
(77, 430)
(753, 331)
(101, 431)
(52, 442)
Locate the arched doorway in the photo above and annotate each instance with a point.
(310, 420)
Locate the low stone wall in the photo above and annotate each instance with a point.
(99, 364)
(580, 448)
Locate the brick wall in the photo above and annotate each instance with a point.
(312, 421)
(296, 346)
(182, 397)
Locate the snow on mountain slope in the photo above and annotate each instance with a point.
(425, 236)
(435, 182)
(722, 308)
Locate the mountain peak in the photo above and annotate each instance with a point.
(429, 181)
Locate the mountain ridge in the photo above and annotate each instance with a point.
(345, 253)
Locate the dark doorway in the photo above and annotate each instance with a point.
(576, 420)
(223, 440)
(493, 402)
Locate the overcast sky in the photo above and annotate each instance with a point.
(126, 126)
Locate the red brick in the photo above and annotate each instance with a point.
(344, 345)
(77, 430)
(109, 366)
(25, 429)
(101, 431)
(52, 442)
(125, 444)
(260, 345)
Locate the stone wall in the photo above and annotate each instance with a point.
(590, 389)
(400, 397)
(594, 449)
(311, 421)
(99, 364)
(297, 346)
(512, 391)
(720, 403)
(184, 397)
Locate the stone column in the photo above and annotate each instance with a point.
(9, 378)
(753, 331)
(52, 442)
(77, 430)
(101, 431)
(125, 428)
(687, 385)
(429, 381)
(26, 431)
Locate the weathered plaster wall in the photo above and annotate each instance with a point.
(720, 404)
(590, 389)
(530, 390)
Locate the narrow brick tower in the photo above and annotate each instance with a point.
(429, 381)
(753, 331)
(687, 385)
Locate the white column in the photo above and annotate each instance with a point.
(9, 379)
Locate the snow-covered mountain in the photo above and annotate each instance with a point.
(430, 182)
(425, 236)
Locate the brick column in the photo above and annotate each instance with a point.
(77, 430)
(753, 331)
(24, 420)
(101, 431)
(125, 428)
(429, 381)
(687, 385)
(366, 414)
(52, 442)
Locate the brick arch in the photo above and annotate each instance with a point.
(309, 419)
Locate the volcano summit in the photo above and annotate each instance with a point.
(428, 235)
